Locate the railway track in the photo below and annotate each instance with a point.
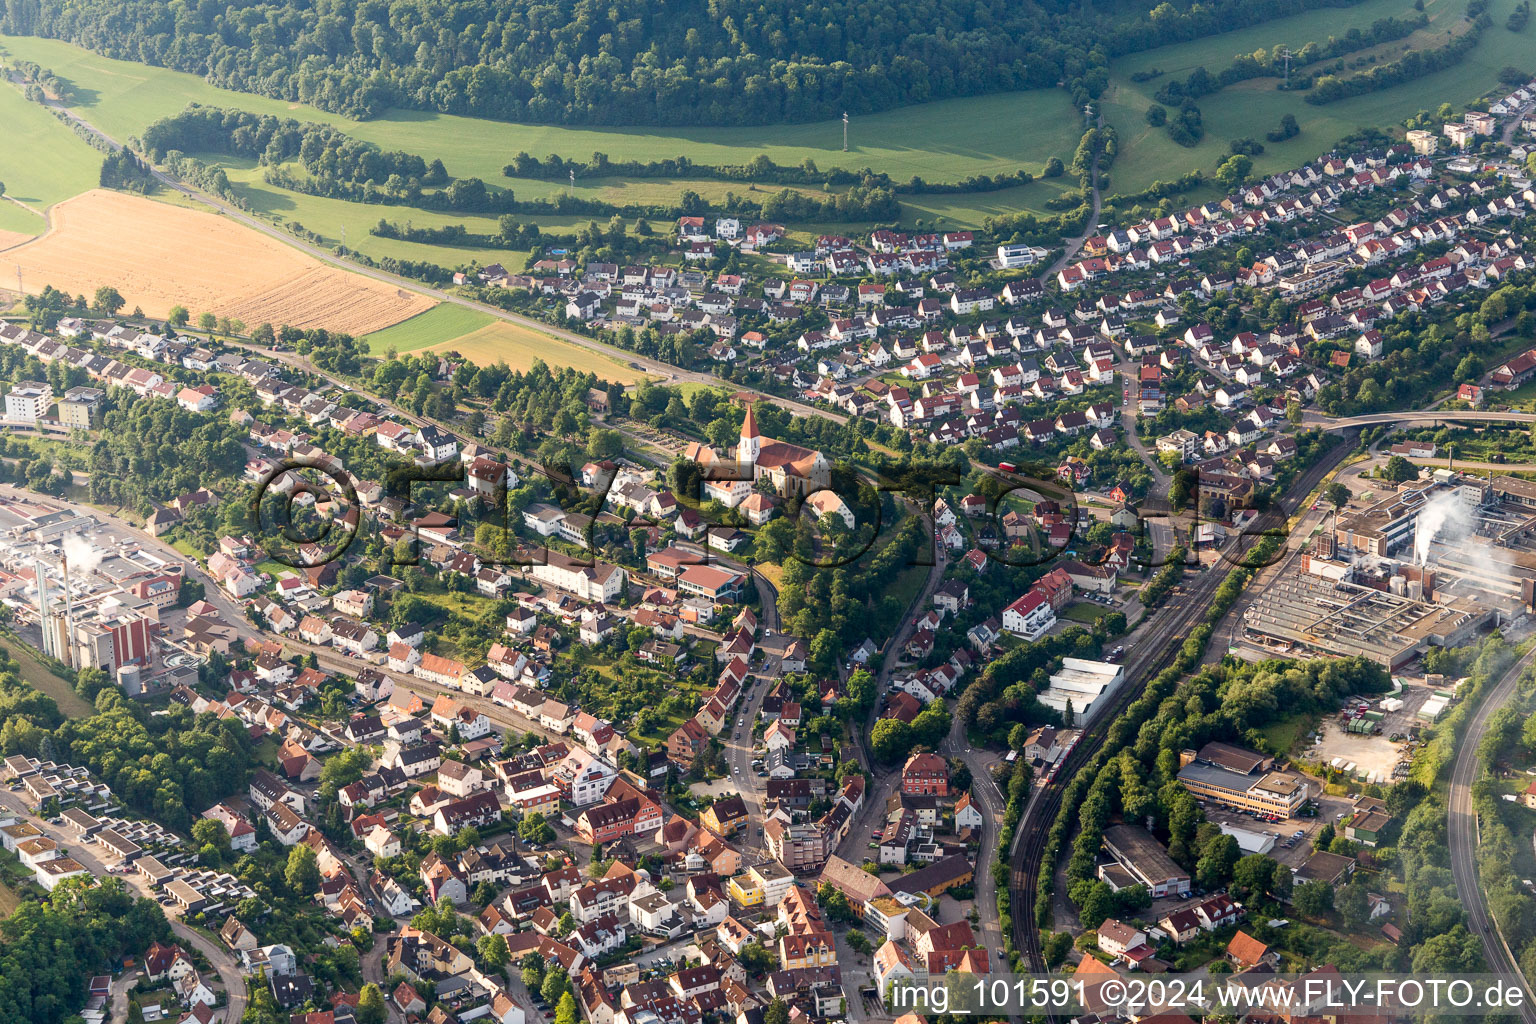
(1169, 627)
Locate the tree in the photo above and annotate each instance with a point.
(1235, 170)
(555, 984)
(834, 903)
(303, 872)
(1353, 905)
(1399, 470)
(178, 316)
(1254, 873)
(776, 1012)
(1313, 899)
(485, 893)
(1215, 866)
(1056, 946)
(891, 740)
(493, 952)
(207, 321)
(209, 833)
(1336, 494)
(108, 301)
(757, 959)
(534, 829)
(565, 1012)
(370, 1003)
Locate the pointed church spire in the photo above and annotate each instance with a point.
(751, 442)
(749, 425)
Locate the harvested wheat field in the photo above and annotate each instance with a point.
(9, 239)
(158, 256)
(520, 346)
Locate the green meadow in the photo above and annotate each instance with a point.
(1249, 109)
(442, 322)
(939, 141)
(41, 161)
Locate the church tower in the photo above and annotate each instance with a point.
(751, 442)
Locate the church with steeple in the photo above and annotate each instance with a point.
(792, 471)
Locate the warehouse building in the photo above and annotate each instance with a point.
(1347, 619)
(1141, 860)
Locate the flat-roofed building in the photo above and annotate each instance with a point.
(189, 898)
(152, 871)
(1278, 794)
(117, 844)
(81, 407)
(50, 873)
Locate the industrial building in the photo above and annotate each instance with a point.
(1083, 684)
(1235, 778)
(1141, 860)
(1389, 526)
(1346, 618)
(92, 602)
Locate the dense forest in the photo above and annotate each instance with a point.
(660, 62)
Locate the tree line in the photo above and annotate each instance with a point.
(1411, 65)
(695, 62)
(760, 168)
(1263, 63)
(325, 152)
(39, 82)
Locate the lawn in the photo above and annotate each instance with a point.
(1085, 613)
(939, 141)
(37, 675)
(1284, 735)
(1252, 108)
(440, 323)
(519, 346)
(41, 161)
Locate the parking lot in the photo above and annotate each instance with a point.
(1289, 849)
(1373, 755)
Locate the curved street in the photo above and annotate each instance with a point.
(1463, 835)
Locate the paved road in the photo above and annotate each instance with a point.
(1092, 228)
(1129, 372)
(121, 987)
(872, 815)
(86, 853)
(990, 801)
(1431, 417)
(1464, 835)
(666, 371)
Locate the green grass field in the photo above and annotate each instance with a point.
(940, 141)
(442, 322)
(1254, 107)
(37, 675)
(484, 339)
(41, 161)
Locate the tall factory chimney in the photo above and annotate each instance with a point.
(69, 615)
